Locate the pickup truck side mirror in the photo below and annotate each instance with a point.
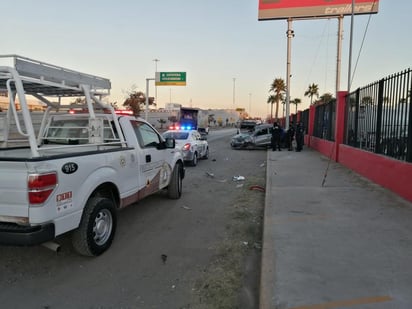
(170, 142)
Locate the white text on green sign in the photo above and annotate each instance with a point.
(170, 78)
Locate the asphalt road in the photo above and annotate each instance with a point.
(132, 273)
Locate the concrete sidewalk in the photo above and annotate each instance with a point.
(347, 244)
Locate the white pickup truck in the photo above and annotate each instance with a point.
(73, 172)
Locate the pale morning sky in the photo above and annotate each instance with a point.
(212, 41)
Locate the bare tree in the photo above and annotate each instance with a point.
(136, 102)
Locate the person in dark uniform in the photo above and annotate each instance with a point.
(299, 136)
(276, 136)
(290, 136)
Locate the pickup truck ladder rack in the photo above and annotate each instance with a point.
(43, 80)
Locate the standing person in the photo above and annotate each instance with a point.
(276, 136)
(299, 136)
(289, 136)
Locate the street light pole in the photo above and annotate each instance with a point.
(156, 61)
(146, 112)
(250, 104)
(234, 87)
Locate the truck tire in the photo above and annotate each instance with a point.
(174, 190)
(194, 160)
(97, 227)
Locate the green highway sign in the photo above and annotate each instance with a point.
(170, 79)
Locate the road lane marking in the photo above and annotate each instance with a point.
(347, 303)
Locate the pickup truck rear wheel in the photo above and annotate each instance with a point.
(174, 190)
(97, 227)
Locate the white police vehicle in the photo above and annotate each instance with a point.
(194, 145)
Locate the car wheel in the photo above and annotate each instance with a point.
(97, 227)
(194, 160)
(174, 190)
(206, 156)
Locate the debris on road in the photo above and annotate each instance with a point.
(164, 258)
(209, 174)
(257, 188)
(238, 178)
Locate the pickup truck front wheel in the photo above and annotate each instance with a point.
(97, 227)
(174, 190)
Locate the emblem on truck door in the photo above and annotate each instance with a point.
(69, 168)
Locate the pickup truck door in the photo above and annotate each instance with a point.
(153, 166)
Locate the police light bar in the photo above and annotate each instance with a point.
(183, 127)
(123, 112)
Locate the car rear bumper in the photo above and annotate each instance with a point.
(188, 155)
(18, 235)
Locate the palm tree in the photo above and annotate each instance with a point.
(313, 90)
(162, 122)
(326, 97)
(296, 101)
(271, 99)
(278, 87)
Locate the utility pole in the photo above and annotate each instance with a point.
(350, 46)
(290, 34)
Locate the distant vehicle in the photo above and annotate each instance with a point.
(260, 137)
(194, 146)
(203, 131)
(188, 118)
(248, 124)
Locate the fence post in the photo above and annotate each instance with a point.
(311, 125)
(409, 138)
(340, 124)
(378, 144)
(357, 139)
